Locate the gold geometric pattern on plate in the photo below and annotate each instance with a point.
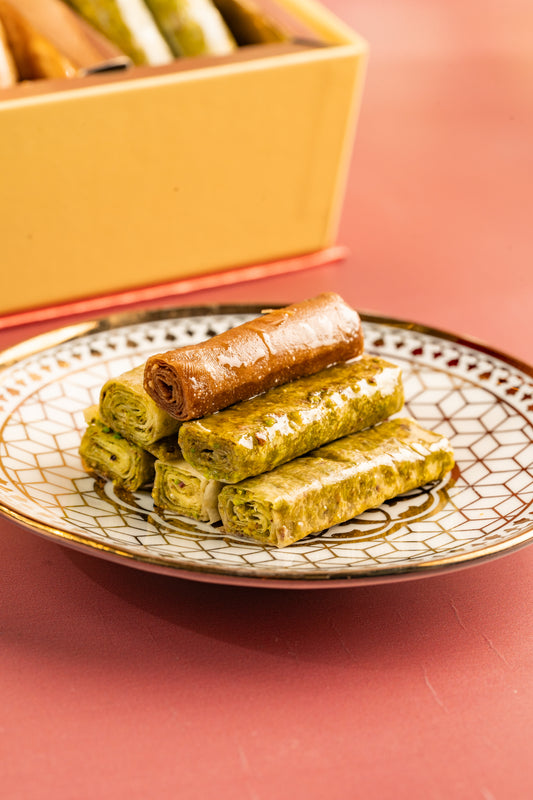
(482, 400)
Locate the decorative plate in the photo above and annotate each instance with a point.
(481, 399)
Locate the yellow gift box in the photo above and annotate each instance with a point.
(128, 179)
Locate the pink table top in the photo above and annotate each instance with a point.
(120, 683)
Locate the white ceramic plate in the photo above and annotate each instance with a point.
(481, 399)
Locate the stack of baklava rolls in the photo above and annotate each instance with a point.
(280, 427)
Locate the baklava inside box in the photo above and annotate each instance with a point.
(127, 175)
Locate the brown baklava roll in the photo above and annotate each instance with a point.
(33, 54)
(279, 346)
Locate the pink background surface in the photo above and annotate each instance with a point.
(122, 684)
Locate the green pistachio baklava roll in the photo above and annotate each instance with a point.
(109, 455)
(192, 27)
(287, 421)
(335, 483)
(127, 408)
(180, 488)
(129, 25)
